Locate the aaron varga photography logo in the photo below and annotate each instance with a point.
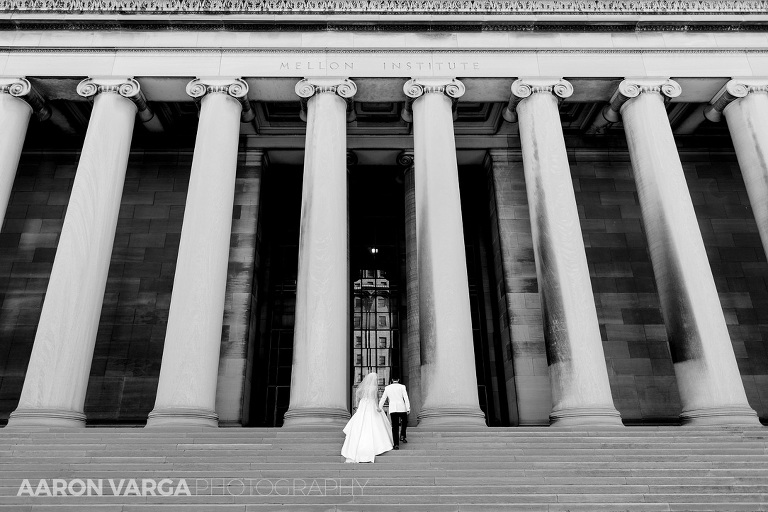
(199, 487)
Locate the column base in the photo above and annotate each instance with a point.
(720, 416)
(181, 417)
(57, 418)
(451, 416)
(300, 417)
(586, 416)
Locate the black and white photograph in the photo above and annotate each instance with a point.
(383, 255)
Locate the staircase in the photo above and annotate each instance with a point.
(505, 469)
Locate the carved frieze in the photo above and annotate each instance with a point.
(393, 6)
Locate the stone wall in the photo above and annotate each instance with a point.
(129, 345)
(634, 338)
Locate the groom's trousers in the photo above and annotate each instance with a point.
(399, 420)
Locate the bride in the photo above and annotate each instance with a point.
(369, 432)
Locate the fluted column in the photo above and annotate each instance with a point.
(449, 382)
(411, 340)
(581, 393)
(18, 100)
(57, 376)
(708, 378)
(320, 375)
(186, 391)
(744, 102)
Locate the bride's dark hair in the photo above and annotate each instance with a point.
(368, 388)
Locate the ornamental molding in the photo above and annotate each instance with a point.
(393, 7)
(126, 87)
(235, 88)
(524, 87)
(344, 88)
(19, 87)
(735, 89)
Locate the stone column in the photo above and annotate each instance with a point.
(449, 382)
(320, 376)
(581, 393)
(412, 344)
(18, 100)
(744, 102)
(708, 378)
(186, 391)
(57, 377)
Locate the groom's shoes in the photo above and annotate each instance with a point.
(396, 447)
(403, 440)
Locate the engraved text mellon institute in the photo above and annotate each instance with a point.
(321, 65)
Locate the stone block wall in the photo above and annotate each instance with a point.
(129, 345)
(633, 334)
(28, 242)
(525, 359)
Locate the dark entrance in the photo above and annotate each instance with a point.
(377, 250)
(377, 274)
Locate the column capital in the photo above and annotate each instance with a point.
(126, 87)
(19, 87)
(344, 88)
(633, 87)
(415, 88)
(236, 88)
(524, 87)
(405, 158)
(735, 89)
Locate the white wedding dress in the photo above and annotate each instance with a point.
(369, 433)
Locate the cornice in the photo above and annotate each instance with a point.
(391, 7)
(552, 22)
(382, 51)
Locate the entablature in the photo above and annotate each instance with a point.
(389, 15)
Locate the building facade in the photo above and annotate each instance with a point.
(227, 213)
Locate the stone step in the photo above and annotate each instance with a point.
(413, 450)
(432, 443)
(637, 468)
(598, 468)
(268, 496)
(371, 487)
(527, 432)
(530, 507)
(398, 481)
(394, 472)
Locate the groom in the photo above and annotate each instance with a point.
(399, 407)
